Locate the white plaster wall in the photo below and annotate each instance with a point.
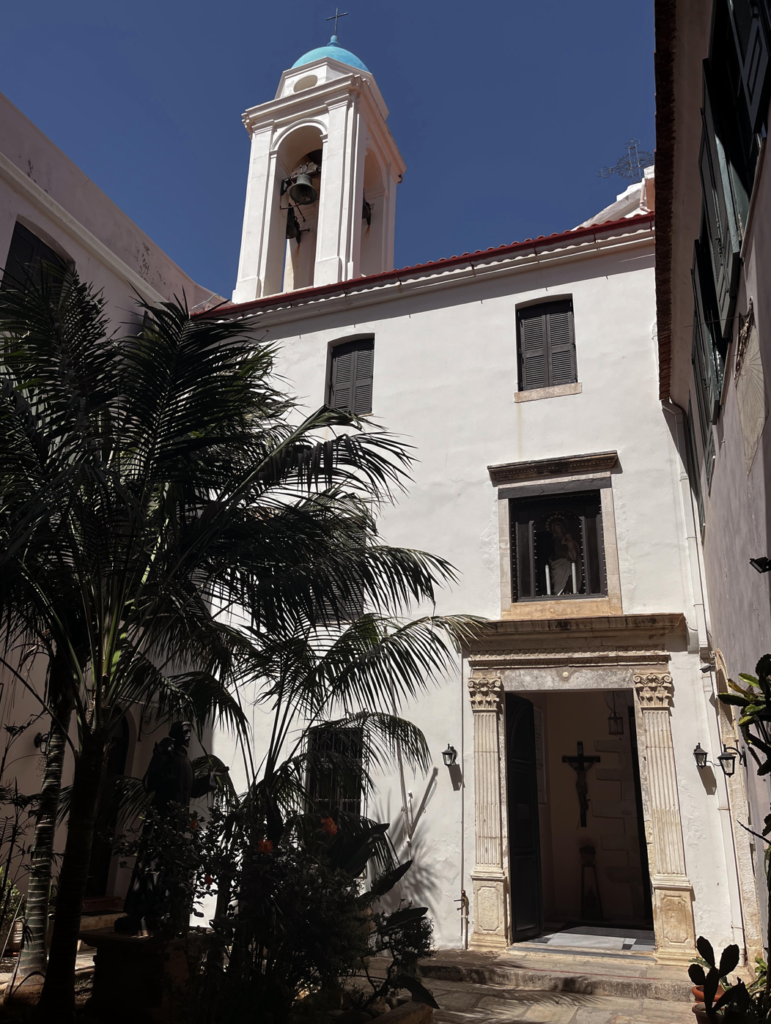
(445, 374)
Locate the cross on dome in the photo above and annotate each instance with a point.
(334, 18)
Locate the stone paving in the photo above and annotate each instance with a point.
(462, 1002)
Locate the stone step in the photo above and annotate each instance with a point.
(632, 978)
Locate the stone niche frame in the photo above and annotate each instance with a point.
(565, 475)
(599, 653)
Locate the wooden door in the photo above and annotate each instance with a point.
(524, 842)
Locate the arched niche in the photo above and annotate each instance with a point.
(299, 256)
(372, 260)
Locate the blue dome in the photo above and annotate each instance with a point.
(334, 50)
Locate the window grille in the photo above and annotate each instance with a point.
(335, 774)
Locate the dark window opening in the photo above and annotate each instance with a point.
(335, 771)
(30, 261)
(557, 547)
(547, 349)
(350, 378)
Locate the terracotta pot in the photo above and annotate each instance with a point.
(698, 993)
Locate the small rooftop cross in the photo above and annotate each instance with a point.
(337, 15)
(632, 165)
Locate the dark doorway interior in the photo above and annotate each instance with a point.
(524, 844)
(101, 850)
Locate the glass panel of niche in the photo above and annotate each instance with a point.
(557, 547)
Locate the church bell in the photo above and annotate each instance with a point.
(301, 192)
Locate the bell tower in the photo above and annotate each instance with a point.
(323, 169)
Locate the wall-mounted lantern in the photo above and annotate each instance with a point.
(761, 564)
(450, 756)
(41, 742)
(726, 760)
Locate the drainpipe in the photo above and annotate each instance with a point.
(707, 678)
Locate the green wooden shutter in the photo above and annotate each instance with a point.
(751, 41)
(561, 344)
(362, 393)
(351, 376)
(534, 360)
(27, 259)
(705, 333)
(720, 213)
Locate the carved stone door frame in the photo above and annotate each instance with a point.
(575, 663)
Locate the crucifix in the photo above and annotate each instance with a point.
(337, 15)
(581, 766)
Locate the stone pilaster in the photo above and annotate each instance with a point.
(672, 891)
(490, 906)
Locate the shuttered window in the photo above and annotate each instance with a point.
(547, 350)
(350, 381)
(694, 472)
(707, 338)
(724, 230)
(335, 770)
(28, 260)
(751, 41)
(557, 548)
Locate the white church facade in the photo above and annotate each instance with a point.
(548, 473)
(553, 479)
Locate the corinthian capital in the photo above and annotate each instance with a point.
(486, 693)
(654, 689)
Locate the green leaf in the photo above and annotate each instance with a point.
(402, 917)
(730, 698)
(420, 993)
(385, 882)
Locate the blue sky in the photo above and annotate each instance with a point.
(504, 110)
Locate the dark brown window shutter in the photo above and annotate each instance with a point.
(350, 385)
(27, 260)
(707, 332)
(562, 349)
(547, 345)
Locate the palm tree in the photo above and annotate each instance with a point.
(161, 517)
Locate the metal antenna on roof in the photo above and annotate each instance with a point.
(337, 15)
(632, 165)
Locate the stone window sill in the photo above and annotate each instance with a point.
(555, 392)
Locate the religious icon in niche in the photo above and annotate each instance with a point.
(563, 567)
(556, 547)
(581, 765)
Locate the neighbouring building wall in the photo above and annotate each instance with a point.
(44, 191)
(713, 210)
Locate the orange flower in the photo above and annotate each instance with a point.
(208, 881)
(328, 825)
(264, 846)
(193, 823)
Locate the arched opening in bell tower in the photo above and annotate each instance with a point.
(299, 167)
(372, 259)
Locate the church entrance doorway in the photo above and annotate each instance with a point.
(577, 853)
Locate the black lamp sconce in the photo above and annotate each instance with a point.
(726, 760)
(41, 742)
(450, 756)
(761, 564)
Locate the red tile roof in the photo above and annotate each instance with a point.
(318, 291)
